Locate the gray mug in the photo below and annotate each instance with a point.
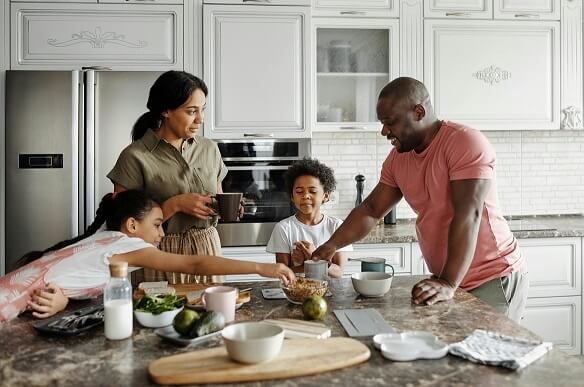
(373, 264)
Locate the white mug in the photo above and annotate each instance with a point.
(221, 299)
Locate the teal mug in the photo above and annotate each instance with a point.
(374, 264)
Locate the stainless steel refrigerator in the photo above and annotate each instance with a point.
(64, 132)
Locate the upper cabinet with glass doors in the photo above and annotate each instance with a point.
(353, 58)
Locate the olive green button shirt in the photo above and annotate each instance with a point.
(154, 165)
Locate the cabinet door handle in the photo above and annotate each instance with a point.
(353, 13)
(352, 127)
(527, 15)
(258, 135)
(257, 1)
(457, 14)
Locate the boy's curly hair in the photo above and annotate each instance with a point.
(310, 167)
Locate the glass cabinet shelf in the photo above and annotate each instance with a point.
(364, 75)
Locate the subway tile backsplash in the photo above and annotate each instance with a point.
(538, 172)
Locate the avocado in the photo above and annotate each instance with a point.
(210, 322)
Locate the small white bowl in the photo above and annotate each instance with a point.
(253, 342)
(371, 283)
(408, 346)
(150, 320)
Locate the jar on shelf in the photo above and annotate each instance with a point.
(339, 56)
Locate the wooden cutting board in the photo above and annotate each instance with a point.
(297, 358)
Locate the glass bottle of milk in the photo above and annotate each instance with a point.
(117, 302)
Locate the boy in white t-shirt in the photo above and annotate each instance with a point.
(293, 239)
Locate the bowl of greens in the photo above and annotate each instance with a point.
(157, 310)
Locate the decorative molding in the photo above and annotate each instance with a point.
(571, 118)
(97, 40)
(492, 74)
(411, 39)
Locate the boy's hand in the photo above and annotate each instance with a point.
(297, 256)
(305, 247)
(48, 301)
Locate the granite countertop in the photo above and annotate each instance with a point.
(30, 359)
(544, 226)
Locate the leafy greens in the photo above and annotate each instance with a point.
(158, 303)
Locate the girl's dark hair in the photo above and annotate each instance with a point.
(169, 91)
(310, 167)
(113, 211)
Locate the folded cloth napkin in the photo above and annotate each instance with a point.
(495, 349)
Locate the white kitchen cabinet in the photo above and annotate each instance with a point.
(53, 36)
(259, 2)
(396, 254)
(554, 266)
(353, 58)
(419, 266)
(256, 63)
(554, 305)
(558, 320)
(352, 8)
(494, 75)
(461, 9)
(527, 9)
(252, 254)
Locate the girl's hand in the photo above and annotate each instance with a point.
(196, 205)
(277, 270)
(48, 301)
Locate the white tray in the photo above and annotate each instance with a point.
(411, 345)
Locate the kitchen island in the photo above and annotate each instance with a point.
(30, 359)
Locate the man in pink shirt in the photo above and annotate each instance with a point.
(446, 173)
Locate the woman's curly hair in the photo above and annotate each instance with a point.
(310, 167)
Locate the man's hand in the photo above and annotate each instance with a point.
(324, 252)
(432, 290)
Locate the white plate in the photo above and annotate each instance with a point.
(168, 333)
(412, 345)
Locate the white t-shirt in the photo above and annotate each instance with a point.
(290, 230)
(88, 266)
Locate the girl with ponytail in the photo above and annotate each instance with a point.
(79, 267)
(168, 159)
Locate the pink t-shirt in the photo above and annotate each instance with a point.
(456, 153)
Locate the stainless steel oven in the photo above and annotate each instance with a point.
(256, 168)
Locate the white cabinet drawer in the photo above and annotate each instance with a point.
(253, 254)
(396, 254)
(556, 319)
(465, 9)
(527, 10)
(554, 265)
(352, 8)
(59, 36)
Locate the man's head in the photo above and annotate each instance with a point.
(406, 113)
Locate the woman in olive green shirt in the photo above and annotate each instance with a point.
(182, 170)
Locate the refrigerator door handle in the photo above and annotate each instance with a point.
(89, 147)
(75, 154)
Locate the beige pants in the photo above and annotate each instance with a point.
(506, 294)
(191, 242)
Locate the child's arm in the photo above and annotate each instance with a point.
(48, 301)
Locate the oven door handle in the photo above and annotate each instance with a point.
(258, 168)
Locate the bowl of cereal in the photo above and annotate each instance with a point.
(296, 292)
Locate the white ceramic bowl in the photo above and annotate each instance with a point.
(253, 342)
(371, 283)
(150, 320)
